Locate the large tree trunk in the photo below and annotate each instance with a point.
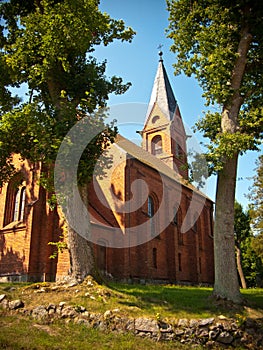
(239, 267)
(226, 279)
(81, 256)
(81, 250)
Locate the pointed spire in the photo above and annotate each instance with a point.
(162, 92)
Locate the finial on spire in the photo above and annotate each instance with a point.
(160, 52)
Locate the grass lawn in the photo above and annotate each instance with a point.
(168, 302)
(185, 302)
(23, 334)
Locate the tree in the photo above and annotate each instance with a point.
(256, 208)
(46, 47)
(220, 43)
(249, 265)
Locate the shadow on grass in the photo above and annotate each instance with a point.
(183, 301)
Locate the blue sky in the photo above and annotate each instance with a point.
(137, 62)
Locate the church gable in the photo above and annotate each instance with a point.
(156, 119)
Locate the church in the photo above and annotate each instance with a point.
(147, 221)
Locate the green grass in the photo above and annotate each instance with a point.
(23, 334)
(183, 302)
(169, 301)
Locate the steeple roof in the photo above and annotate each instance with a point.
(162, 92)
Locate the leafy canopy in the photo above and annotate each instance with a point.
(207, 41)
(46, 49)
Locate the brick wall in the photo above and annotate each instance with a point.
(170, 256)
(159, 257)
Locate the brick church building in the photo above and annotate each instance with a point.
(165, 223)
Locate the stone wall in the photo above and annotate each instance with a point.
(213, 333)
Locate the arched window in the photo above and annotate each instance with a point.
(151, 212)
(177, 222)
(22, 203)
(15, 201)
(19, 209)
(16, 208)
(155, 119)
(150, 207)
(157, 147)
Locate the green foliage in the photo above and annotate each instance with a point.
(257, 245)
(45, 47)
(256, 198)
(251, 263)
(199, 169)
(242, 223)
(200, 30)
(60, 245)
(256, 208)
(208, 41)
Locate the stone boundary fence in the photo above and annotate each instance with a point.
(217, 333)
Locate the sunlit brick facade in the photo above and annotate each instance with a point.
(172, 205)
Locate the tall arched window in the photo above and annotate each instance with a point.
(150, 213)
(150, 207)
(22, 203)
(19, 209)
(157, 147)
(15, 201)
(16, 208)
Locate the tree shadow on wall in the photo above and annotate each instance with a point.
(11, 262)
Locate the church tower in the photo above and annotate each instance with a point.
(163, 133)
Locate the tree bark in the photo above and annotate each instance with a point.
(239, 267)
(81, 252)
(81, 256)
(226, 279)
